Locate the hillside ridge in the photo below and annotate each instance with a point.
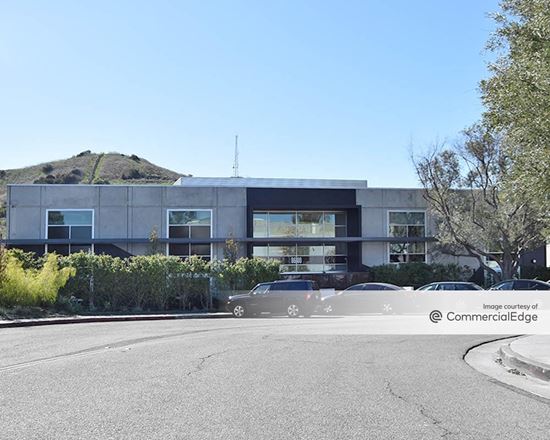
(87, 167)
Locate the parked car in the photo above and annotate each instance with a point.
(291, 297)
(450, 285)
(356, 299)
(521, 285)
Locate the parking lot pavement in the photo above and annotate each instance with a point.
(273, 378)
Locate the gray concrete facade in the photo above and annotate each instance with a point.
(125, 215)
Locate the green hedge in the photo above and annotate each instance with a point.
(418, 274)
(152, 282)
(158, 282)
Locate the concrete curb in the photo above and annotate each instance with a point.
(109, 318)
(486, 359)
(524, 364)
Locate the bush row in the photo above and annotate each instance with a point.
(418, 274)
(105, 283)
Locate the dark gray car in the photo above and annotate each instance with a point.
(292, 297)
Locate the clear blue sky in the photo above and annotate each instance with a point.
(325, 89)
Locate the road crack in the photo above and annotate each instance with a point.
(202, 360)
(422, 411)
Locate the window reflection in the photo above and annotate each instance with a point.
(306, 224)
(301, 258)
(407, 224)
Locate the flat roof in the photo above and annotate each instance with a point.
(262, 182)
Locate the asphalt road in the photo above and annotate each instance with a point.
(272, 378)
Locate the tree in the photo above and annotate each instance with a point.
(155, 248)
(478, 211)
(517, 94)
(231, 250)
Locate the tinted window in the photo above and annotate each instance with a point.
(294, 285)
(260, 289)
(373, 287)
(355, 288)
(507, 285)
(446, 287)
(533, 285)
(522, 285)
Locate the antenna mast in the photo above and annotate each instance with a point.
(236, 162)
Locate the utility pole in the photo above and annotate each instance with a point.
(236, 161)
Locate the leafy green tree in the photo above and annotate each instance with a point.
(468, 191)
(517, 94)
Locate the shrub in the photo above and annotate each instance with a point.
(28, 260)
(101, 281)
(134, 174)
(418, 274)
(47, 169)
(151, 282)
(536, 272)
(32, 287)
(244, 274)
(3, 264)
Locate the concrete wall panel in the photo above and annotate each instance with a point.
(375, 254)
(111, 195)
(231, 197)
(143, 220)
(111, 222)
(25, 195)
(146, 195)
(230, 222)
(70, 196)
(26, 223)
(178, 197)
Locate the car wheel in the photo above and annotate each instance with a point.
(293, 310)
(239, 311)
(329, 310)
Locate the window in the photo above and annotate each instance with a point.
(70, 224)
(193, 225)
(313, 257)
(507, 285)
(407, 224)
(280, 224)
(306, 258)
(261, 289)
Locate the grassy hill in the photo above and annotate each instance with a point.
(87, 167)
